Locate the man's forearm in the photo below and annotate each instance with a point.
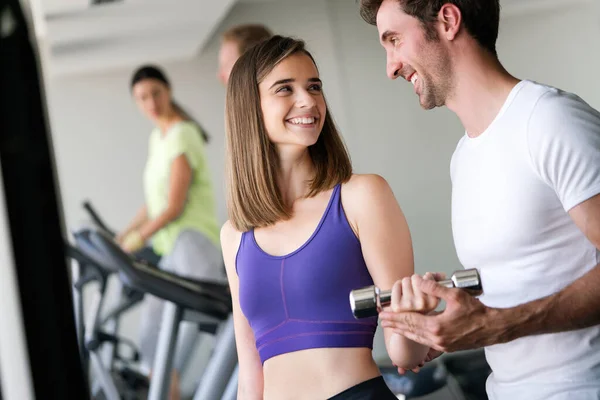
(577, 306)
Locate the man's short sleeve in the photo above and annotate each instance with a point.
(564, 146)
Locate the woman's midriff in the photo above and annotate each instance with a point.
(316, 373)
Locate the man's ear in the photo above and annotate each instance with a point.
(450, 19)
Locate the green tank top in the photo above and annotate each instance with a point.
(199, 211)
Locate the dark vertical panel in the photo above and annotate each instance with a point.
(31, 192)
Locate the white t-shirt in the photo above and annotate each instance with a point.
(512, 188)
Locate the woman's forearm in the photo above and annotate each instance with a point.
(150, 227)
(404, 352)
(141, 217)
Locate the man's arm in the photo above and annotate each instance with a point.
(563, 142)
(467, 324)
(578, 305)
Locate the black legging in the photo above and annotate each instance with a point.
(373, 389)
(147, 254)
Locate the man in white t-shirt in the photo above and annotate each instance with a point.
(525, 204)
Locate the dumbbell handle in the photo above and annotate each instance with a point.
(368, 301)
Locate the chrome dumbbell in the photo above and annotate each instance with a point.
(368, 301)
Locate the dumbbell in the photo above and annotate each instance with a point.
(368, 301)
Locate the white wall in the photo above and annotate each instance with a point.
(100, 137)
(558, 47)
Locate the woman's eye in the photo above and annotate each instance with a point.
(316, 88)
(283, 89)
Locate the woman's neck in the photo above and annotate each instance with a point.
(296, 170)
(165, 122)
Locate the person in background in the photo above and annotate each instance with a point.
(179, 215)
(235, 41)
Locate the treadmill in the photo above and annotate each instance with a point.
(203, 302)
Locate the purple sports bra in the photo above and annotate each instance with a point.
(301, 300)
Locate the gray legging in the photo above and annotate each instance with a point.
(193, 256)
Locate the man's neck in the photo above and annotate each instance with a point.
(482, 86)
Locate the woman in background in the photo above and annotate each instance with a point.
(179, 214)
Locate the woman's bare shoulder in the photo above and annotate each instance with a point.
(230, 240)
(363, 188)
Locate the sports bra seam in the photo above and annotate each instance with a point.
(287, 315)
(346, 222)
(312, 334)
(237, 253)
(362, 324)
(273, 329)
(311, 321)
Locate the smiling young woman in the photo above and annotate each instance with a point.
(303, 232)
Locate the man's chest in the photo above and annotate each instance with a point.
(501, 209)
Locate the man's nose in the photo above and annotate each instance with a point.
(393, 69)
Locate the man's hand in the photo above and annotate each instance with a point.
(433, 354)
(465, 323)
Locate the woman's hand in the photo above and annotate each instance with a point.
(132, 242)
(406, 295)
(120, 237)
(431, 355)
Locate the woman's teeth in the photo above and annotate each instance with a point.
(302, 121)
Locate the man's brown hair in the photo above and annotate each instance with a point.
(247, 35)
(481, 18)
(253, 197)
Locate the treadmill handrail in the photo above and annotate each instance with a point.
(128, 266)
(182, 281)
(85, 246)
(77, 255)
(87, 205)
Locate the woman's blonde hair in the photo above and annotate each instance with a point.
(253, 198)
